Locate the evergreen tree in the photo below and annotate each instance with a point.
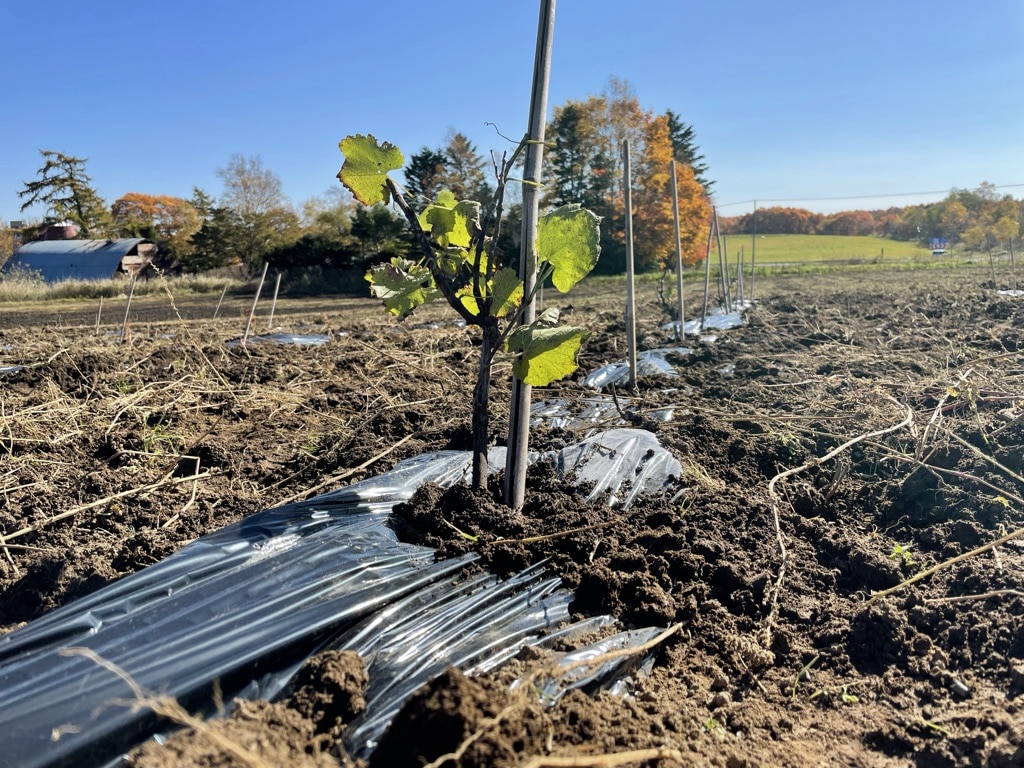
(218, 243)
(466, 170)
(66, 190)
(424, 175)
(685, 149)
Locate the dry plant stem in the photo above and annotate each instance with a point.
(188, 332)
(165, 706)
(773, 607)
(979, 596)
(923, 464)
(607, 760)
(946, 563)
(4, 539)
(552, 671)
(1009, 472)
(385, 353)
(557, 534)
(348, 472)
(623, 652)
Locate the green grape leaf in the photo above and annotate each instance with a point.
(403, 285)
(544, 351)
(366, 166)
(451, 222)
(568, 238)
(450, 261)
(505, 290)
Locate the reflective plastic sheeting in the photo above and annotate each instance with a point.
(650, 362)
(588, 414)
(241, 608)
(294, 339)
(620, 464)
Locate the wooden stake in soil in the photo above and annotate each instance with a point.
(679, 252)
(707, 272)
(127, 307)
(723, 263)
(1013, 265)
(519, 408)
(255, 301)
(627, 184)
(273, 303)
(991, 261)
(753, 252)
(219, 302)
(739, 278)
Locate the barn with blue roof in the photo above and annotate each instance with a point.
(58, 260)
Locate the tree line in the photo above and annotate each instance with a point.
(252, 221)
(976, 218)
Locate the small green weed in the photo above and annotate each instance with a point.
(902, 552)
(158, 437)
(313, 446)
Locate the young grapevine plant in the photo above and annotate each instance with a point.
(458, 262)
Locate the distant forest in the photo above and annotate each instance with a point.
(977, 218)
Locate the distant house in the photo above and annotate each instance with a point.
(58, 260)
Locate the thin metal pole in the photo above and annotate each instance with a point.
(707, 274)
(219, 301)
(679, 251)
(722, 261)
(255, 301)
(519, 408)
(1013, 265)
(991, 260)
(99, 314)
(128, 306)
(753, 252)
(739, 277)
(627, 184)
(273, 304)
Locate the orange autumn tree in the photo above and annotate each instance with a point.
(585, 164)
(170, 220)
(653, 222)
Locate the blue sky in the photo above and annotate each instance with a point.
(791, 100)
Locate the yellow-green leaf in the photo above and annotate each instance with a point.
(403, 285)
(545, 352)
(366, 166)
(451, 222)
(568, 238)
(507, 290)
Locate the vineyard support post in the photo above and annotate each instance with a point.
(739, 276)
(273, 303)
(519, 410)
(679, 252)
(630, 276)
(723, 269)
(753, 252)
(127, 307)
(707, 272)
(1013, 265)
(220, 301)
(255, 301)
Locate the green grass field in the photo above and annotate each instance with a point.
(821, 248)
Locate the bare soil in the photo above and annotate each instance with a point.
(860, 429)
